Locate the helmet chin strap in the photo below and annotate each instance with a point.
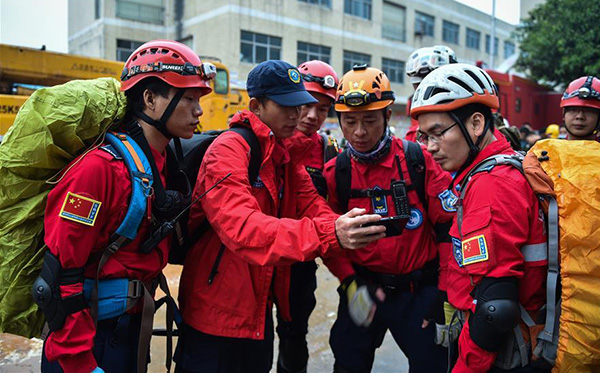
(473, 146)
(161, 124)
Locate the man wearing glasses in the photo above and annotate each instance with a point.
(392, 284)
(498, 243)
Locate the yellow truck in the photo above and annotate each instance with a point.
(23, 70)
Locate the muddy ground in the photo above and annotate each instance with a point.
(20, 355)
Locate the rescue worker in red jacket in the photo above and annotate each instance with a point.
(391, 284)
(311, 149)
(499, 246)
(231, 277)
(420, 63)
(581, 108)
(87, 206)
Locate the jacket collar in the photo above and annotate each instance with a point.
(389, 160)
(499, 146)
(265, 136)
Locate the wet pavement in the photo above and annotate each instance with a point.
(20, 355)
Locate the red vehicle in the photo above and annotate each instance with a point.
(525, 101)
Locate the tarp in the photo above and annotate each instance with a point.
(574, 168)
(52, 127)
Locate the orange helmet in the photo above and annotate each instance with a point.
(319, 77)
(450, 87)
(584, 91)
(363, 89)
(173, 62)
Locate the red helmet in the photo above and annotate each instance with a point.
(584, 91)
(175, 63)
(319, 77)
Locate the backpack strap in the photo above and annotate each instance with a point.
(255, 151)
(487, 165)
(416, 168)
(343, 179)
(140, 173)
(548, 338)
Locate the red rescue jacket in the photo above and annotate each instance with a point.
(100, 177)
(277, 221)
(503, 236)
(416, 245)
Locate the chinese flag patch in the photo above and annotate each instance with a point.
(474, 250)
(80, 209)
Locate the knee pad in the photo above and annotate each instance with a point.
(497, 312)
(46, 292)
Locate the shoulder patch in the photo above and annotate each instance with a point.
(416, 219)
(457, 251)
(448, 200)
(80, 209)
(474, 250)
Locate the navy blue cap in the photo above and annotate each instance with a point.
(278, 81)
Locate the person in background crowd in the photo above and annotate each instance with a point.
(581, 108)
(420, 63)
(528, 137)
(563, 134)
(552, 131)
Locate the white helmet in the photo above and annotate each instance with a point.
(453, 86)
(423, 61)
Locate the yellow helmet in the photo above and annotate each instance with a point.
(363, 89)
(552, 131)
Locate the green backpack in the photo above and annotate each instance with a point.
(54, 126)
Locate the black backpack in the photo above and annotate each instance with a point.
(188, 160)
(416, 169)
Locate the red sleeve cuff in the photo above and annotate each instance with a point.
(326, 228)
(83, 362)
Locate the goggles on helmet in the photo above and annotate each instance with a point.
(328, 81)
(585, 92)
(206, 71)
(361, 97)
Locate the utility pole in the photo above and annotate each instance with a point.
(493, 35)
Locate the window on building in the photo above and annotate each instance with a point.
(393, 69)
(125, 48)
(450, 32)
(424, 24)
(150, 11)
(359, 8)
(473, 39)
(257, 48)
(96, 9)
(354, 58)
(394, 22)
(487, 45)
(509, 48)
(188, 40)
(308, 51)
(324, 3)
